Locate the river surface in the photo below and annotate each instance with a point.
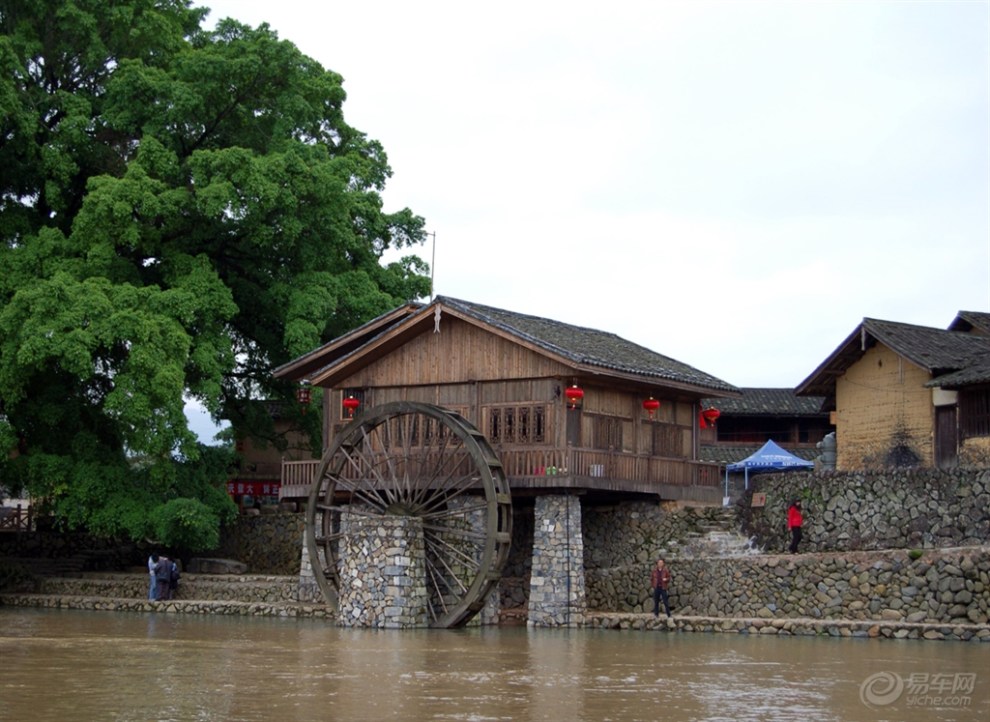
(77, 665)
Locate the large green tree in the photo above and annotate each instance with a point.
(181, 210)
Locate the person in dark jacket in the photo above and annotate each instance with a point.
(794, 521)
(659, 581)
(163, 575)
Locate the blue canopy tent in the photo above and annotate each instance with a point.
(770, 457)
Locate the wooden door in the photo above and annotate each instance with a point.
(946, 437)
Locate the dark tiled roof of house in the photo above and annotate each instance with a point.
(977, 373)
(341, 346)
(971, 322)
(721, 454)
(587, 346)
(930, 348)
(768, 402)
(952, 357)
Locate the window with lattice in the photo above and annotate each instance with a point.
(517, 424)
(667, 440)
(606, 432)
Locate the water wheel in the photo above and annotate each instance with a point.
(420, 460)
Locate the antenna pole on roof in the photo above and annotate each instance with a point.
(433, 261)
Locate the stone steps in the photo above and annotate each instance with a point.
(174, 606)
(241, 594)
(267, 589)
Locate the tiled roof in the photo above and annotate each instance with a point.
(952, 357)
(730, 454)
(585, 346)
(971, 322)
(977, 373)
(768, 402)
(931, 348)
(329, 353)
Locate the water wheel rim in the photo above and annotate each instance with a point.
(349, 453)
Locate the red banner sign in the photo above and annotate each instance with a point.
(253, 488)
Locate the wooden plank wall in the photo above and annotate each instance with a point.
(469, 369)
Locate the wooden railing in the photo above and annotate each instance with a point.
(16, 518)
(611, 467)
(573, 467)
(297, 477)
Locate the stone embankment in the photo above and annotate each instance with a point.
(934, 586)
(240, 595)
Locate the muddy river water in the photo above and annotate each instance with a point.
(74, 665)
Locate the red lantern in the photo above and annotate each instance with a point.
(350, 405)
(651, 405)
(303, 395)
(711, 415)
(573, 394)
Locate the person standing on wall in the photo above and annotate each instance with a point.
(659, 581)
(794, 521)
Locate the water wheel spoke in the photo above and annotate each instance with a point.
(329, 538)
(449, 465)
(458, 512)
(446, 575)
(433, 477)
(368, 479)
(451, 490)
(434, 593)
(464, 534)
(444, 550)
(446, 451)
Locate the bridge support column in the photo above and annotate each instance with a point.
(383, 572)
(556, 586)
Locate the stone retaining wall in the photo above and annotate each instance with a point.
(268, 543)
(879, 510)
(637, 532)
(939, 586)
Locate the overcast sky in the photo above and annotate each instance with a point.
(732, 184)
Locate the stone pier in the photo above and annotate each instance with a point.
(556, 587)
(383, 572)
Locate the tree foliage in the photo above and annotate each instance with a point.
(181, 210)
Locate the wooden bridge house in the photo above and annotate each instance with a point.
(565, 407)
(575, 416)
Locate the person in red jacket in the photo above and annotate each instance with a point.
(659, 580)
(794, 521)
